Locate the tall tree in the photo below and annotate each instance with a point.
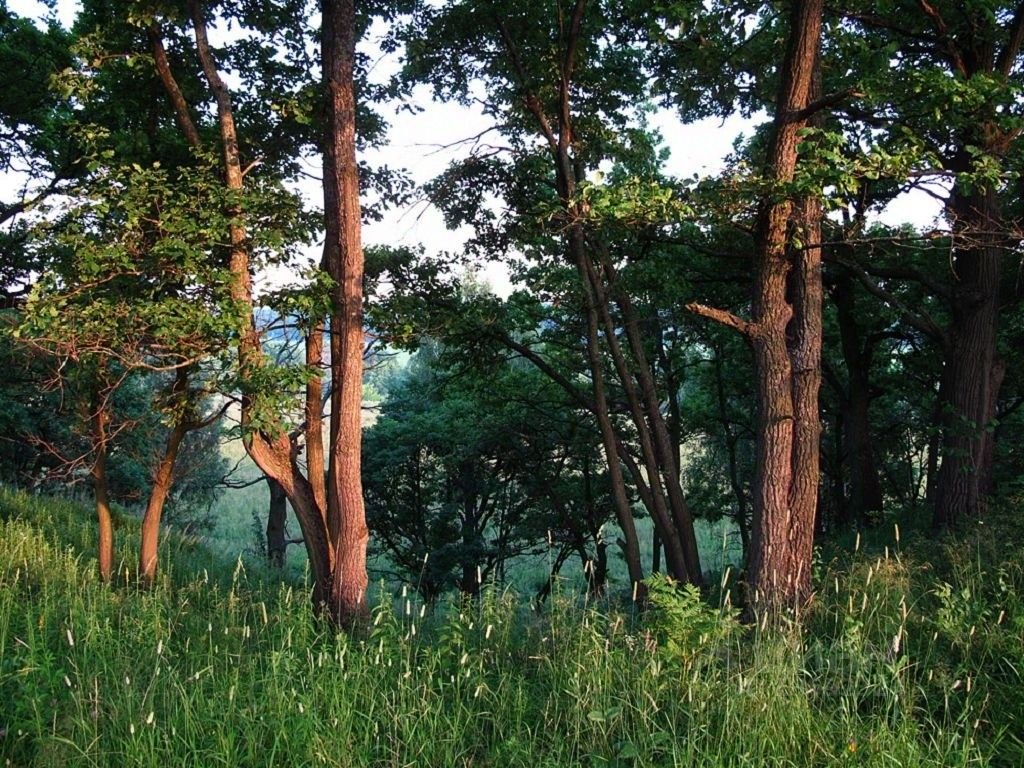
(785, 332)
(953, 102)
(550, 79)
(331, 516)
(343, 257)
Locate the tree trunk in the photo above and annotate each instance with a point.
(560, 140)
(277, 518)
(840, 508)
(973, 378)
(865, 499)
(271, 450)
(556, 568)
(105, 553)
(986, 480)
(666, 450)
(661, 512)
(163, 479)
(315, 466)
(731, 453)
(623, 511)
(343, 254)
(787, 344)
(935, 441)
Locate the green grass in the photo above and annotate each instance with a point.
(911, 659)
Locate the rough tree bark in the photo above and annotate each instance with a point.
(785, 332)
(976, 49)
(971, 362)
(343, 254)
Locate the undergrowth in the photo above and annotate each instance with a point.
(911, 657)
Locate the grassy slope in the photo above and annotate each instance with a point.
(910, 659)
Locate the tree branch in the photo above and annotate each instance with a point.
(748, 329)
(825, 102)
(530, 99)
(163, 68)
(939, 23)
(923, 321)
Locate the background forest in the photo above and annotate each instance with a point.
(728, 473)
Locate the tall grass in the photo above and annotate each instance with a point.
(903, 661)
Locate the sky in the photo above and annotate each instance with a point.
(418, 144)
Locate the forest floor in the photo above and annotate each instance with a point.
(912, 654)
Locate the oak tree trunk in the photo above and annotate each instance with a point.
(972, 375)
(787, 343)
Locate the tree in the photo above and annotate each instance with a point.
(952, 103)
(343, 257)
(785, 332)
(550, 79)
(331, 518)
(470, 466)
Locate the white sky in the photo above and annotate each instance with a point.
(415, 142)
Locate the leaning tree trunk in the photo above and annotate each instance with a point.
(343, 254)
(105, 554)
(271, 450)
(163, 479)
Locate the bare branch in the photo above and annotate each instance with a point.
(163, 68)
(728, 319)
(939, 23)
